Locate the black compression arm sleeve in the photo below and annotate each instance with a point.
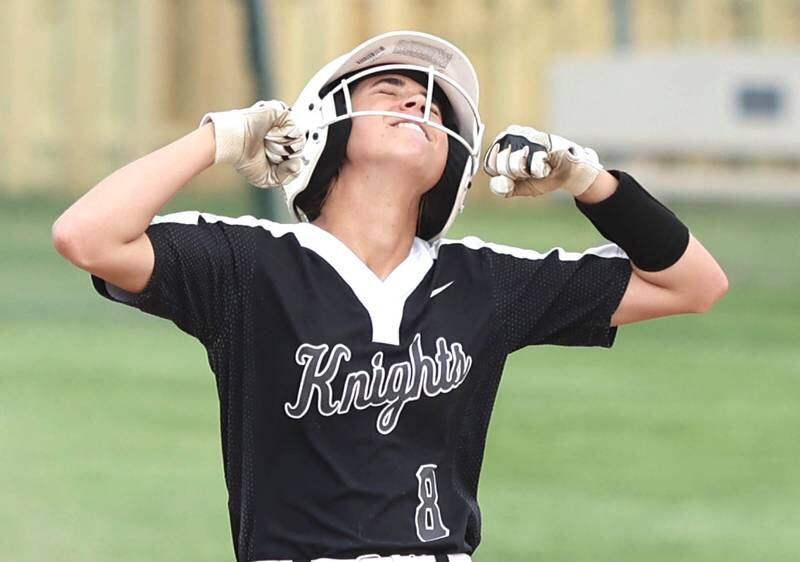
(652, 236)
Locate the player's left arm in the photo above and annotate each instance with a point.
(690, 285)
(672, 273)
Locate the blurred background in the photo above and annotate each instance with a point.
(679, 444)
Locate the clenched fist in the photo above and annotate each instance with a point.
(524, 161)
(262, 142)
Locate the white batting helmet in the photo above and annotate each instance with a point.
(324, 111)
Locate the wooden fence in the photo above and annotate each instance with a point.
(88, 85)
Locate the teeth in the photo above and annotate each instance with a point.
(412, 126)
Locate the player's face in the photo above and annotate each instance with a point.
(386, 139)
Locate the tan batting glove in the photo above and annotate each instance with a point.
(522, 161)
(262, 142)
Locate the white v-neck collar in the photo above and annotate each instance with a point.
(385, 299)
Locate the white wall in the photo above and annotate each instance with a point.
(678, 102)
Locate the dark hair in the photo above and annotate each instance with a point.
(436, 204)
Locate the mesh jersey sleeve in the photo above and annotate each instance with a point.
(561, 298)
(199, 270)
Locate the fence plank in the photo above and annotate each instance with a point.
(116, 79)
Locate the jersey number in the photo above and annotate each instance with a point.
(430, 526)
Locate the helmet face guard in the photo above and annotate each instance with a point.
(325, 105)
(473, 135)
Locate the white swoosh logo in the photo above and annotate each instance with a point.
(440, 289)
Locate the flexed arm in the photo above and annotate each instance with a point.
(104, 231)
(672, 272)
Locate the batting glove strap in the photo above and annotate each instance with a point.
(525, 161)
(229, 134)
(652, 236)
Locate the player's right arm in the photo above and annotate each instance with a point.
(103, 232)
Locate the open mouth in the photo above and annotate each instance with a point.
(412, 126)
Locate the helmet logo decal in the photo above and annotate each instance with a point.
(371, 55)
(431, 54)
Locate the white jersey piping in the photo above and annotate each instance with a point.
(474, 243)
(384, 300)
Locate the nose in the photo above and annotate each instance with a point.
(415, 102)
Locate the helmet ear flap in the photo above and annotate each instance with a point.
(310, 200)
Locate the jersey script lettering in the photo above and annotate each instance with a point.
(392, 387)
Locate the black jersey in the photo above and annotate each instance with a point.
(354, 411)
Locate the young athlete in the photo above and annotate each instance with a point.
(357, 353)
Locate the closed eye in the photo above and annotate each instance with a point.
(391, 86)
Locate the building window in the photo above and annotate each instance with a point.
(760, 101)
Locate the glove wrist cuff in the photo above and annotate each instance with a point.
(583, 179)
(229, 135)
(579, 171)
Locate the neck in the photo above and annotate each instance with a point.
(374, 213)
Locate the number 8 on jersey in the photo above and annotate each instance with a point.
(430, 526)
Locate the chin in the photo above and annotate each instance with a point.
(420, 158)
(411, 160)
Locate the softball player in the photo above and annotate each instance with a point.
(357, 353)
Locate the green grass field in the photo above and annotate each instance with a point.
(679, 444)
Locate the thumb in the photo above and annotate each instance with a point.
(502, 186)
